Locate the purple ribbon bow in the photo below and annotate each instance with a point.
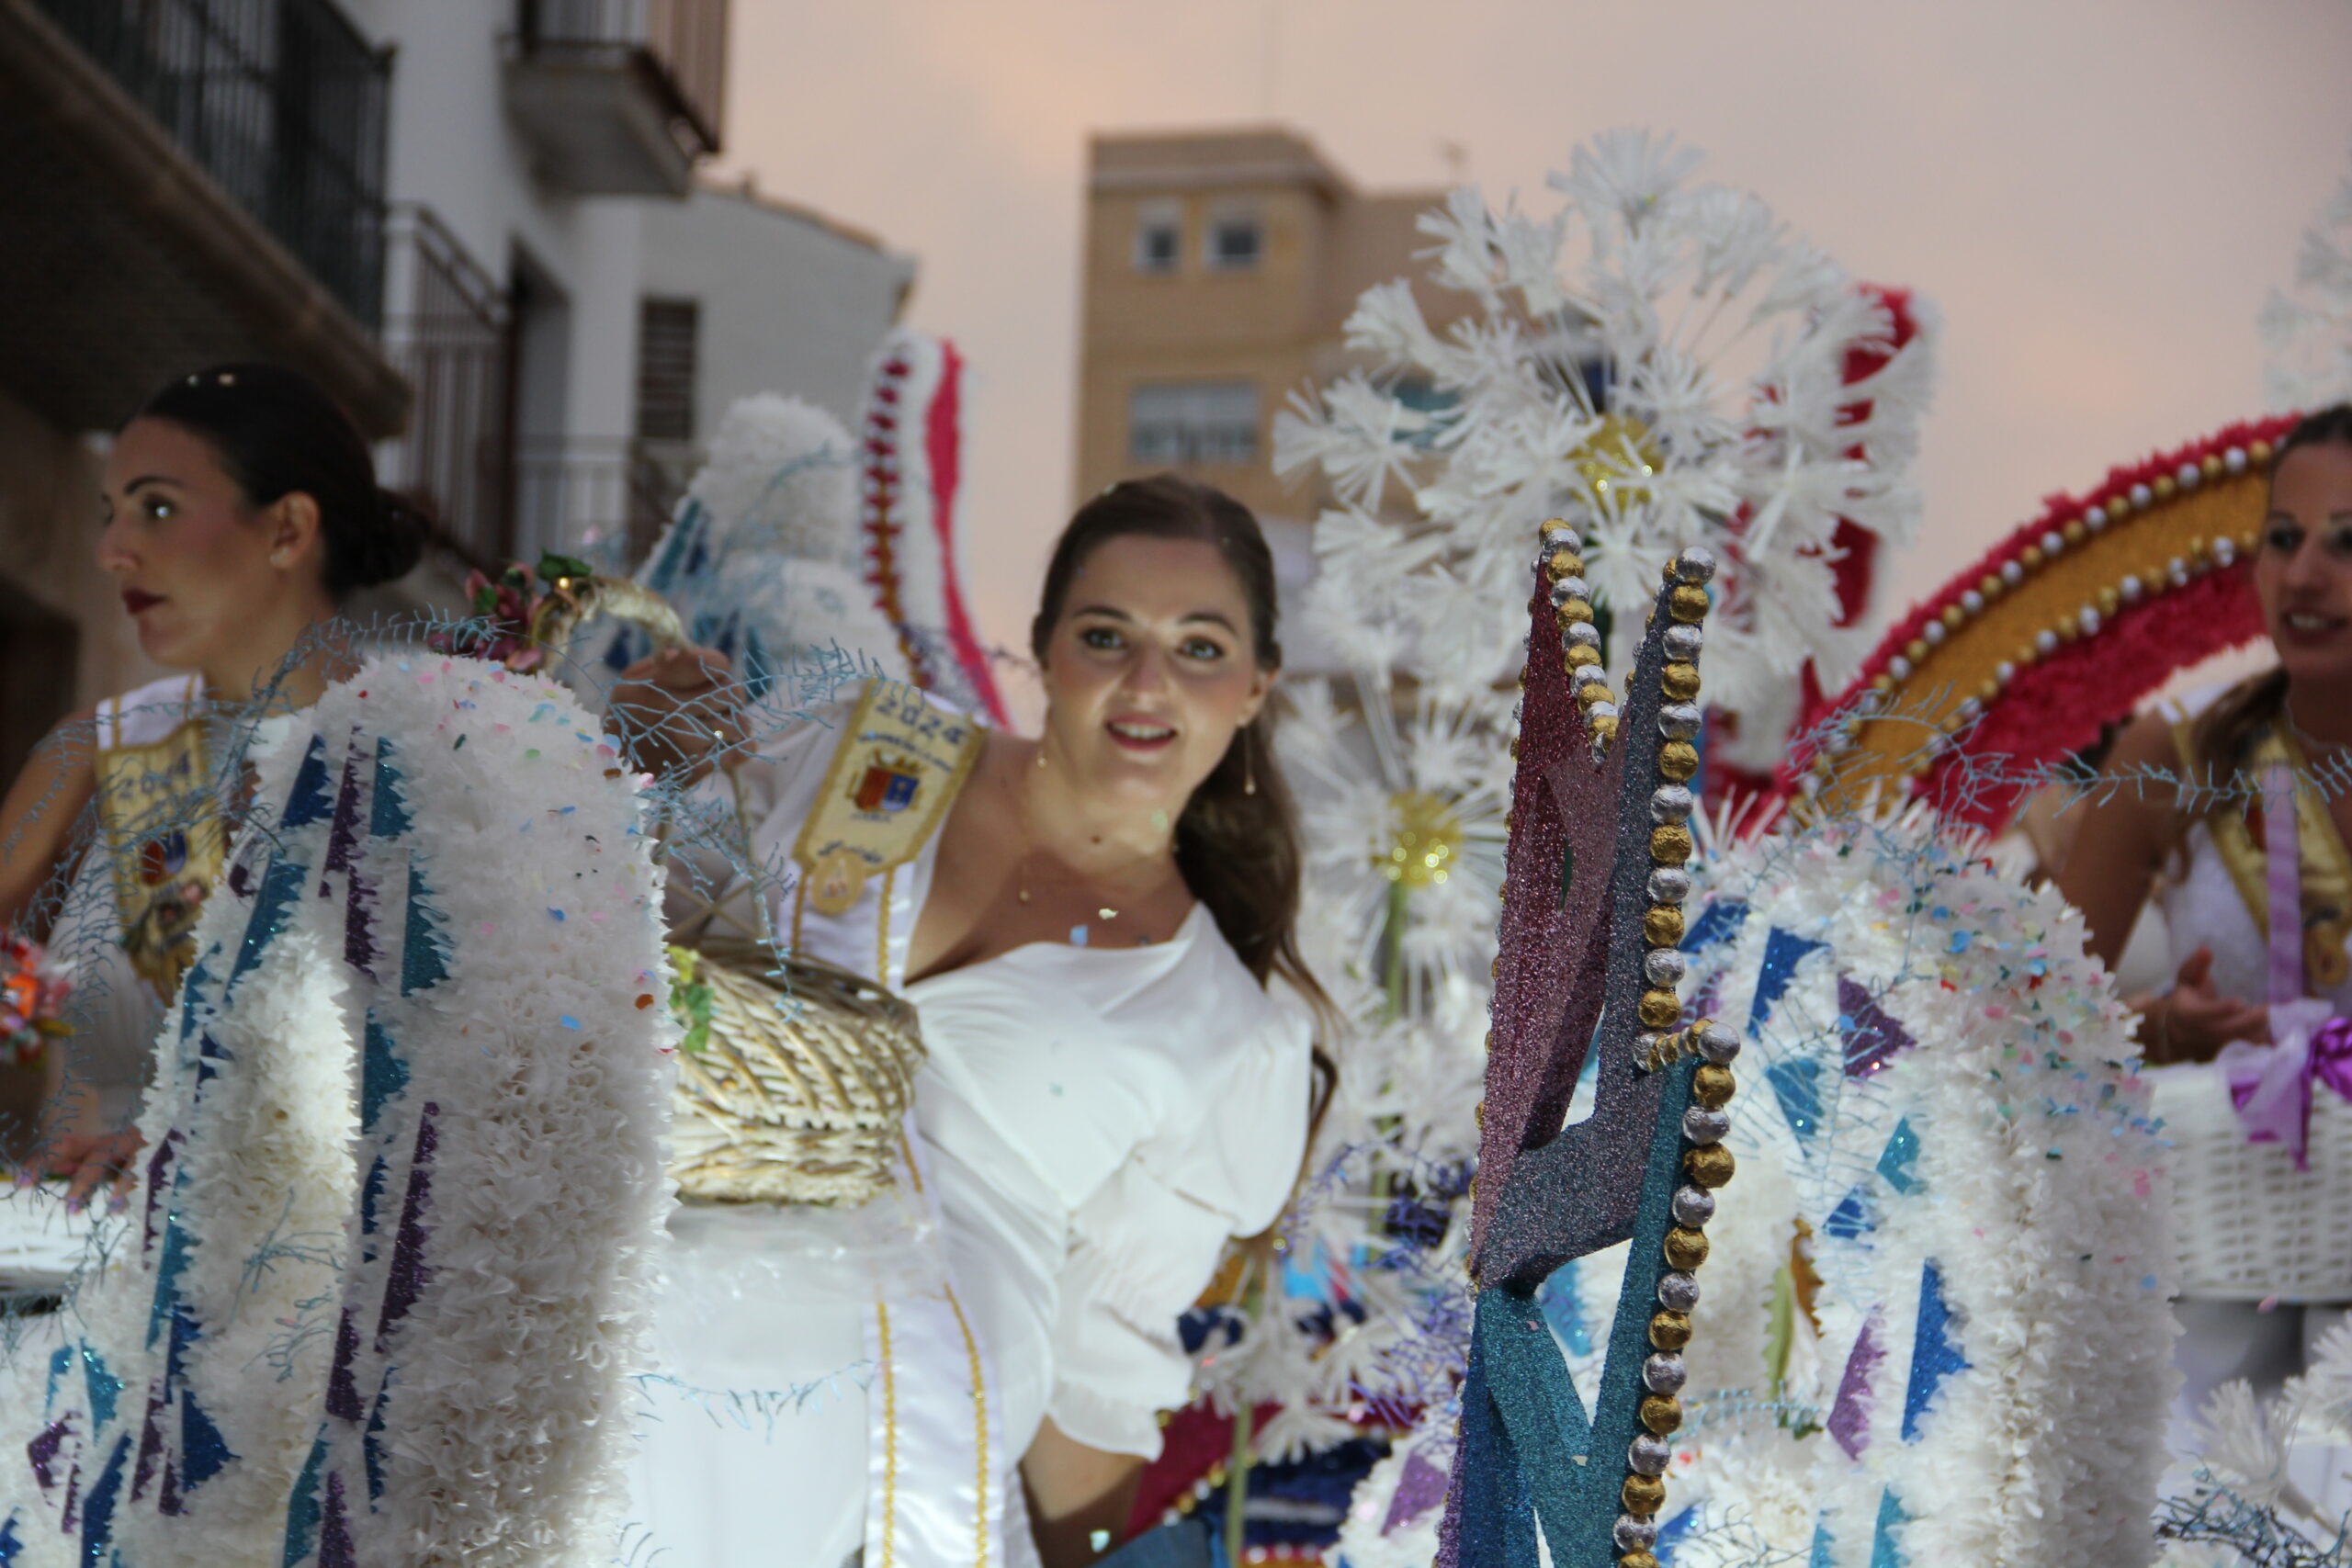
(2271, 1084)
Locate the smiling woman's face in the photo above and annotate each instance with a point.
(1149, 671)
(2302, 572)
(193, 557)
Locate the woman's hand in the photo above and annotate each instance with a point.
(2195, 1021)
(677, 710)
(88, 1161)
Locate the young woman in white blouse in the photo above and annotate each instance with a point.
(1090, 939)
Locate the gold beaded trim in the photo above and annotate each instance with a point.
(979, 1432)
(2131, 544)
(1572, 608)
(1707, 1164)
(889, 1434)
(1685, 1247)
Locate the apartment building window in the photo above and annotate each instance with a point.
(1234, 240)
(1159, 237)
(1187, 422)
(667, 341)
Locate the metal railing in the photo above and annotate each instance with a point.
(500, 497)
(447, 330)
(577, 493)
(282, 102)
(683, 42)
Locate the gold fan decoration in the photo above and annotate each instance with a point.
(2020, 659)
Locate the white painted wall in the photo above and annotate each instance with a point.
(451, 147)
(790, 302)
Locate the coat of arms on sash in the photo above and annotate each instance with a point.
(891, 784)
(898, 763)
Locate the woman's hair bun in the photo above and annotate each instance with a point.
(390, 549)
(277, 432)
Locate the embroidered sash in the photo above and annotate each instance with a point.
(937, 1467)
(2325, 865)
(937, 1470)
(162, 822)
(898, 765)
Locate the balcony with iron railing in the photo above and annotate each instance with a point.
(280, 101)
(190, 180)
(609, 493)
(618, 98)
(448, 326)
(497, 495)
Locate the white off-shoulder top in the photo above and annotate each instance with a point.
(1094, 1122)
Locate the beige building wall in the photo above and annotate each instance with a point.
(1275, 325)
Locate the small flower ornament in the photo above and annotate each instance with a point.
(33, 991)
(508, 608)
(528, 615)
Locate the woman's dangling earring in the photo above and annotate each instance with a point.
(1249, 765)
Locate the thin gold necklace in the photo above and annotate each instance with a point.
(1029, 849)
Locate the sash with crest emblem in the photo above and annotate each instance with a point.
(161, 818)
(898, 764)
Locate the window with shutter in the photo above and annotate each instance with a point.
(668, 331)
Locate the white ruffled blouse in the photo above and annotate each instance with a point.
(1094, 1122)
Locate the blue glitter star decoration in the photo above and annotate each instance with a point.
(1596, 970)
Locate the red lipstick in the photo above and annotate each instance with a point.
(136, 599)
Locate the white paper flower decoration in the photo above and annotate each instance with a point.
(1662, 363)
(2309, 329)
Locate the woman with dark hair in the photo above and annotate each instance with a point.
(239, 508)
(1090, 938)
(2301, 709)
(2203, 848)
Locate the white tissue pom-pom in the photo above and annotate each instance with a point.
(413, 1097)
(2034, 1189)
(781, 474)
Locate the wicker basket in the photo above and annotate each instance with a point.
(2251, 1224)
(797, 1074)
(797, 1089)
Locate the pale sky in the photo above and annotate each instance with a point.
(2098, 193)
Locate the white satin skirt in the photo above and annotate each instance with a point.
(754, 1431)
(822, 1389)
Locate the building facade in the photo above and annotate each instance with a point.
(481, 226)
(1220, 270)
(742, 293)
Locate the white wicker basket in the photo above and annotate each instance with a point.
(2251, 1224)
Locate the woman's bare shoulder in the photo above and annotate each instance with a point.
(64, 753)
(37, 814)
